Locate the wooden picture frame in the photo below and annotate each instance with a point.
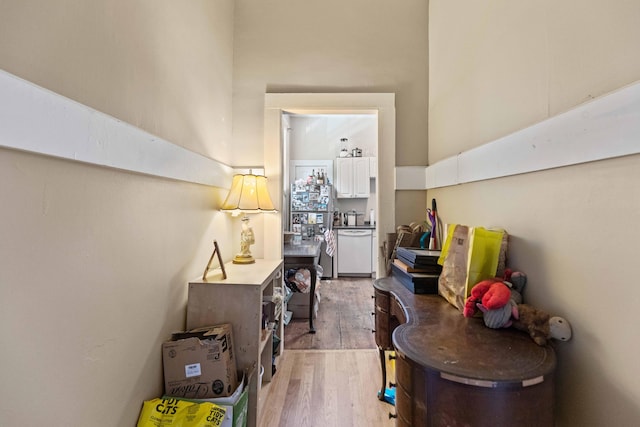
(216, 250)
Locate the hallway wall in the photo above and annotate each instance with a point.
(359, 46)
(497, 67)
(94, 262)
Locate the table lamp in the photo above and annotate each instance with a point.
(248, 194)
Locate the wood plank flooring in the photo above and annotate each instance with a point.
(344, 321)
(324, 388)
(330, 378)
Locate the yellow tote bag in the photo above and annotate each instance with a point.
(174, 412)
(487, 256)
(469, 255)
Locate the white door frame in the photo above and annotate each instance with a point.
(382, 104)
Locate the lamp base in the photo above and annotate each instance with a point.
(246, 240)
(243, 259)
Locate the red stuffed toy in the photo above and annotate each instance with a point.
(491, 293)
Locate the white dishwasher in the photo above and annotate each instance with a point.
(354, 252)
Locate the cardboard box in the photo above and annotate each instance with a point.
(200, 363)
(236, 415)
(269, 310)
(299, 305)
(236, 405)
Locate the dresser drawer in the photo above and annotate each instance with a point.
(403, 372)
(403, 406)
(398, 311)
(383, 335)
(382, 300)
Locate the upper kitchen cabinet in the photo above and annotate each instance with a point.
(352, 177)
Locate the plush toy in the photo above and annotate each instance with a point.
(497, 299)
(499, 317)
(490, 293)
(541, 326)
(500, 302)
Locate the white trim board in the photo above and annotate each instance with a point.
(37, 120)
(604, 128)
(410, 177)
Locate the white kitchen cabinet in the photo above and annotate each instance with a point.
(373, 167)
(344, 177)
(352, 177)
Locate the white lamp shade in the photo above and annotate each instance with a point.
(248, 194)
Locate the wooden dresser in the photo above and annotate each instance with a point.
(454, 371)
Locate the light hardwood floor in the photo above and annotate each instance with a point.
(331, 378)
(344, 322)
(324, 388)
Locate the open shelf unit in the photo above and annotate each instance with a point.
(238, 300)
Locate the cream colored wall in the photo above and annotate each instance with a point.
(359, 46)
(94, 262)
(162, 66)
(503, 66)
(496, 67)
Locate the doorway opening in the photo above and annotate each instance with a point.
(276, 147)
(323, 149)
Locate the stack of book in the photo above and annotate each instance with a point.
(417, 269)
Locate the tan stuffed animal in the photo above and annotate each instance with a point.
(541, 326)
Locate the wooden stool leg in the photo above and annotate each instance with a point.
(312, 300)
(383, 367)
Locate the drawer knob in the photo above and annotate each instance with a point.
(392, 385)
(392, 357)
(373, 331)
(392, 415)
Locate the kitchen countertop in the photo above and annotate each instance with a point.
(310, 248)
(354, 227)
